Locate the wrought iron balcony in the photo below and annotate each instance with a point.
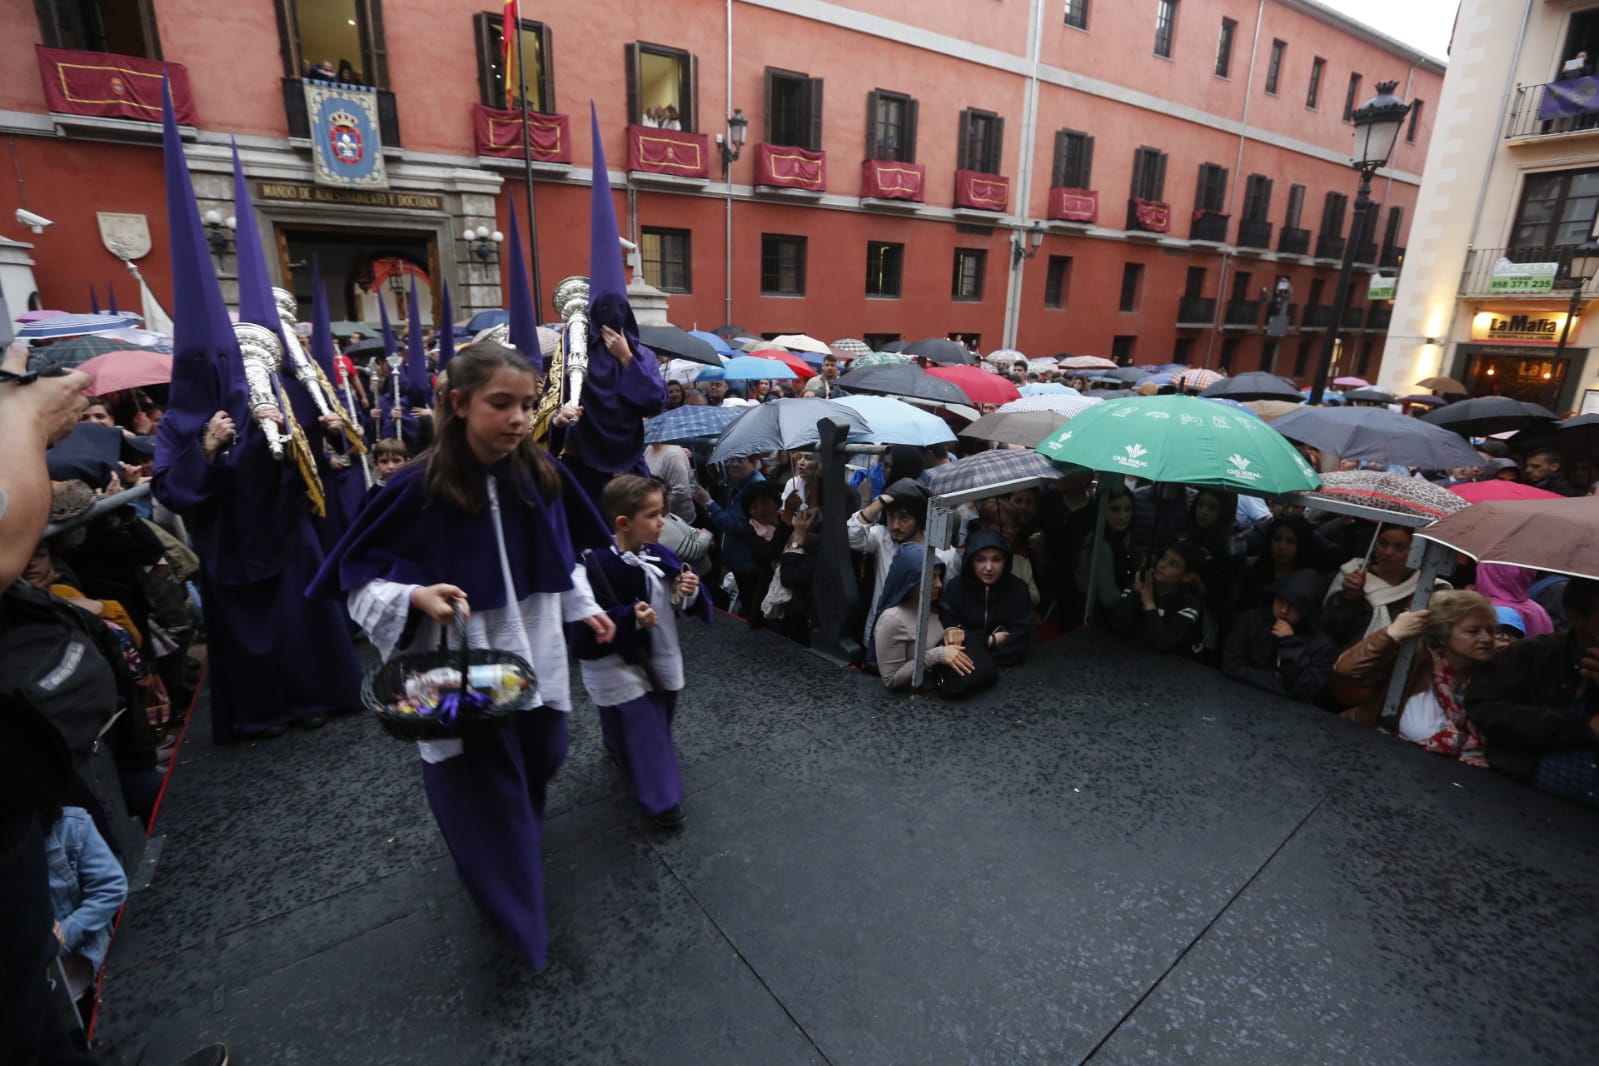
(1530, 270)
(1366, 252)
(1378, 316)
(1244, 312)
(1255, 234)
(1196, 311)
(300, 122)
(1317, 316)
(1208, 226)
(1294, 241)
(1560, 108)
(1392, 257)
(1329, 246)
(1354, 317)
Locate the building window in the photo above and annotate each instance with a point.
(1058, 282)
(1318, 66)
(1194, 284)
(1318, 289)
(1368, 347)
(120, 28)
(1074, 160)
(878, 341)
(981, 143)
(890, 126)
(662, 87)
(1224, 48)
(968, 281)
(1257, 198)
(1302, 357)
(782, 265)
(666, 257)
(1211, 193)
(1121, 349)
(1182, 350)
(489, 32)
(1396, 219)
(1349, 97)
(1556, 209)
(793, 110)
(1296, 206)
(347, 34)
(1132, 285)
(1149, 174)
(1229, 352)
(885, 263)
(1332, 214)
(1241, 287)
(1077, 14)
(1165, 27)
(1274, 66)
(1415, 120)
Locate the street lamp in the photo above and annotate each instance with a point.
(219, 233)
(483, 244)
(1584, 265)
(1377, 126)
(737, 129)
(1026, 245)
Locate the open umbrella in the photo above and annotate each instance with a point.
(981, 387)
(718, 344)
(756, 344)
(751, 368)
(1376, 434)
(366, 346)
(1271, 410)
(1251, 385)
(38, 316)
(1447, 386)
(72, 352)
(1350, 382)
(1498, 489)
(940, 350)
(1125, 375)
(115, 371)
(1369, 394)
(893, 346)
(1574, 438)
(850, 347)
(985, 470)
(1561, 536)
(798, 363)
(1065, 405)
(782, 425)
(730, 331)
(1396, 494)
(687, 423)
(799, 342)
(1026, 428)
(1087, 362)
(1047, 388)
(1182, 439)
(483, 320)
(72, 326)
(1490, 414)
(896, 422)
(901, 380)
(345, 327)
(683, 371)
(872, 359)
(1039, 366)
(1425, 399)
(669, 340)
(1004, 357)
(1198, 379)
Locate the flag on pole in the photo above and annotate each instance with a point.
(510, 26)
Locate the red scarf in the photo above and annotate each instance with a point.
(1459, 738)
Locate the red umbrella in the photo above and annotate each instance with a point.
(1483, 491)
(980, 385)
(790, 360)
(115, 371)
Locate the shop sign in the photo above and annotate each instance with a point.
(1381, 288)
(333, 194)
(1523, 277)
(1519, 327)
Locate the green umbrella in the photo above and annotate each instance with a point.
(70, 352)
(1182, 439)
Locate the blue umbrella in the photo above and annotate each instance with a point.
(721, 346)
(1047, 388)
(752, 368)
(488, 319)
(686, 423)
(1234, 404)
(72, 326)
(711, 373)
(897, 422)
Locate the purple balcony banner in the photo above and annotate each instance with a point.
(1569, 98)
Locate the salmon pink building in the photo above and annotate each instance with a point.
(1127, 178)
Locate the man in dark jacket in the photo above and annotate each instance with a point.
(1165, 609)
(987, 602)
(1279, 649)
(1542, 471)
(1537, 704)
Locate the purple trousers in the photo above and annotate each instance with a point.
(489, 803)
(639, 734)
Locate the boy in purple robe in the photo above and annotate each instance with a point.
(635, 680)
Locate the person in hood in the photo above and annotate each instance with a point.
(1165, 608)
(988, 603)
(1279, 648)
(1508, 586)
(894, 628)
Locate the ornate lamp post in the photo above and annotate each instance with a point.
(1584, 265)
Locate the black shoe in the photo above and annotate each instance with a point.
(671, 818)
(215, 1055)
(312, 721)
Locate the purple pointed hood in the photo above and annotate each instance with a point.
(390, 345)
(111, 298)
(524, 316)
(608, 304)
(255, 285)
(418, 384)
(322, 346)
(446, 330)
(94, 300)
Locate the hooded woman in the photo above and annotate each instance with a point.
(1507, 586)
(988, 603)
(894, 628)
(1279, 648)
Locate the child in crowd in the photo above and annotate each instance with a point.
(388, 455)
(1510, 627)
(1280, 649)
(87, 888)
(634, 680)
(1166, 606)
(989, 603)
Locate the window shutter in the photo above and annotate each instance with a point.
(485, 55)
(1058, 172)
(288, 32)
(1085, 169)
(1202, 188)
(871, 124)
(770, 82)
(1263, 212)
(376, 55)
(1160, 177)
(546, 70)
(635, 107)
(688, 116)
(962, 138)
(907, 150)
(814, 114)
(996, 159)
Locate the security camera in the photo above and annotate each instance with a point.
(36, 222)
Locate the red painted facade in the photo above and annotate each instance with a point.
(949, 55)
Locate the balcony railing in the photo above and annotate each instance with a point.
(1329, 246)
(1392, 257)
(1366, 252)
(1254, 234)
(1524, 271)
(1559, 107)
(1208, 226)
(1196, 310)
(300, 121)
(1354, 317)
(1293, 313)
(1243, 312)
(1378, 316)
(1317, 316)
(1294, 241)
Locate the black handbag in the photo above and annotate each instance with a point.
(950, 685)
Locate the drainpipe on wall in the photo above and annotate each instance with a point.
(727, 207)
(1232, 195)
(1024, 183)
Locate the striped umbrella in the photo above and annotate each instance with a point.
(1199, 379)
(1397, 494)
(1064, 405)
(851, 346)
(73, 326)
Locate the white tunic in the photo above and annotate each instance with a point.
(612, 681)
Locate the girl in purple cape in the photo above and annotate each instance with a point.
(487, 520)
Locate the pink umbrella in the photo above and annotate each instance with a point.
(38, 316)
(115, 371)
(1351, 382)
(1482, 491)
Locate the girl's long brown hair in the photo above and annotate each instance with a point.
(454, 475)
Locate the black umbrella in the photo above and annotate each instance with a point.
(1376, 434)
(676, 342)
(1490, 414)
(1369, 394)
(903, 379)
(1574, 438)
(1129, 375)
(893, 346)
(369, 346)
(940, 350)
(1253, 385)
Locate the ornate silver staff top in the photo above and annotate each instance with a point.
(572, 304)
(262, 355)
(300, 364)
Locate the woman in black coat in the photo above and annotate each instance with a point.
(987, 602)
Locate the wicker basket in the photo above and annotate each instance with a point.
(383, 688)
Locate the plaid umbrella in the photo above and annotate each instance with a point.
(1061, 405)
(698, 422)
(987, 470)
(1198, 379)
(1394, 493)
(1027, 428)
(1557, 535)
(1087, 362)
(72, 352)
(851, 346)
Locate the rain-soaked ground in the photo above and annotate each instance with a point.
(1112, 857)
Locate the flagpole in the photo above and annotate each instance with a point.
(527, 165)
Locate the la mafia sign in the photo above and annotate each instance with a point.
(1535, 328)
